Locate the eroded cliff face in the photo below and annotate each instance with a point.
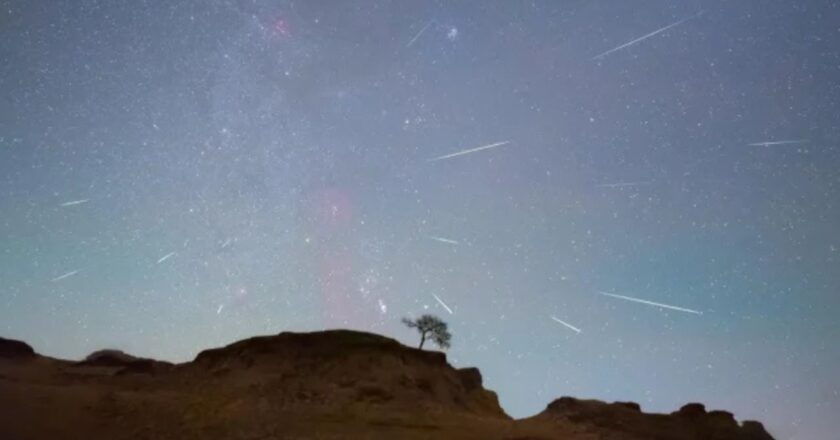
(625, 420)
(323, 385)
(343, 368)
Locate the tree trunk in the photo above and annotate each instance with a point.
(422, 339)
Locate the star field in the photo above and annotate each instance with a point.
(606, 199)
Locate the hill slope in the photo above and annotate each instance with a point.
(325, 385)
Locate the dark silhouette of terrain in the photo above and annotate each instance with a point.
(325, 385)
(11, 349)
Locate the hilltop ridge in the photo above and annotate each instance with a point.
(320, 385)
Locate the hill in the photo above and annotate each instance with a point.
(325, 385)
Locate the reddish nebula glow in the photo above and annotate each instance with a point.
(332, 208)
(281, 27)
(239, 296)
(331, 211)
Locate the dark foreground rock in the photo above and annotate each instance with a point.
(12, 349)
(305, 386)
(624, 420)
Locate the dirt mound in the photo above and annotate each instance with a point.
(342, 368)
(326, 385)
(123, 363)
(109, 357)
(12, 349)
(624, 420)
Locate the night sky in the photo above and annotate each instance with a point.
(180, 175)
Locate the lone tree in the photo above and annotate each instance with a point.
(431, 327)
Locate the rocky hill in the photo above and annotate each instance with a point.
(626, 421)
(11, 349)
(324, 385)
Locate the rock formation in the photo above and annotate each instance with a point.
(325, 385)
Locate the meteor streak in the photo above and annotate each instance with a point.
(622, 184)
(419, 34)
(566, 324)
(440, 301)
(471, 150)
(651, 303)
(74, 202)
(67, 275)
(165, 257)
(771, 143)
(444, 240)
(645, 37)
